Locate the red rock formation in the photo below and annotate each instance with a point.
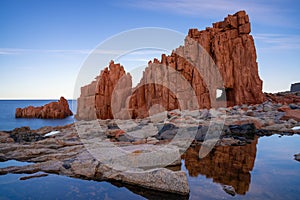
(53, 110)
(86, 102)
(95, 99)
(228, 165)
(105, 86)
(230, 46)
(233, 50)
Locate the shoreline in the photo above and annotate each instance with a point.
(71, 150)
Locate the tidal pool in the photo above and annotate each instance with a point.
(264, 169)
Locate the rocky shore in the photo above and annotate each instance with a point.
(71, 150)
(140, 151)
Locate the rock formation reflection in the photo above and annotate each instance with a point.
(227, 165)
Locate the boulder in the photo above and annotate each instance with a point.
(291, 114)
(246, 130)
(53, 110)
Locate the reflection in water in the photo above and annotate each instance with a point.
(227, 165)
(150, 194)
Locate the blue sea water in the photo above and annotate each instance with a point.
(9, 122)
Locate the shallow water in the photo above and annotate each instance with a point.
(264, 169)
(59, 187)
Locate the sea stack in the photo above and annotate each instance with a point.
(53, 110)
(228, 43)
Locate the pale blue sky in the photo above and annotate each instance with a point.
(44, 43)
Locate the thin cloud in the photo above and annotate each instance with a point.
(262, 12)
(278, 41)
(16, 51)
(201, 8)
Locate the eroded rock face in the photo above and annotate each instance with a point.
(104, 89)
(230, 46)
(53, 110)
(95, 99)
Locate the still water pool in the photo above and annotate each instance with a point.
(264, 169)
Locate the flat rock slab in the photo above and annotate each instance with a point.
(65, 154)
(33, 176)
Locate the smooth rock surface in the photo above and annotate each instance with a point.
(65, 154)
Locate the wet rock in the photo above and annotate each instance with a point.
(24, 134)
(33, 176)
(204, 114)
(167, 126)
(229, 190)
(167, 132)
(112, 126)
(293, 106)
(201, 133)
(247, 130)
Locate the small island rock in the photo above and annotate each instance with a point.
(53, 110)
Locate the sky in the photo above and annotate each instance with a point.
(43, 44)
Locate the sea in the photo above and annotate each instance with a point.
(263, 169)
(9, 122)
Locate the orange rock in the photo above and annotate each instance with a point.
(53, 110)
(283, 98)
(292, 114)
(228, 43)
(284, 108)
(227, 165)
(119, 132)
